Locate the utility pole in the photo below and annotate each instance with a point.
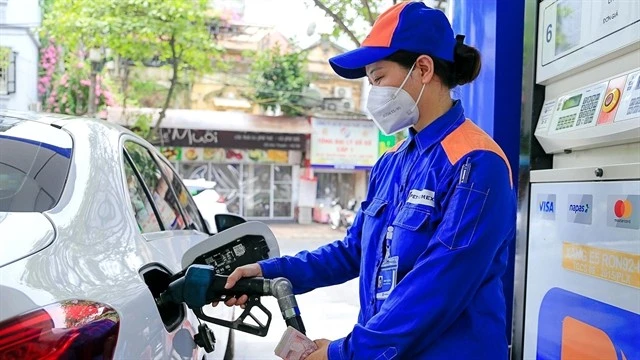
(96, 57)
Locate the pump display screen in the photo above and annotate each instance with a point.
(572, 102)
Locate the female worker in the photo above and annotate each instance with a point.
(430, 242)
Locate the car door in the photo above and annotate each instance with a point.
(168, 230)
(195, 220)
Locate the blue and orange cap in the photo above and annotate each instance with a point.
(409, 26)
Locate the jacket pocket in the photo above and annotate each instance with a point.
(375, 207)
(411, 217)
(462, 216)
(410, 235)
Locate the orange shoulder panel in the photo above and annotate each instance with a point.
(469, 137)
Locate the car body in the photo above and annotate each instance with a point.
(207, 199)
(84, 246)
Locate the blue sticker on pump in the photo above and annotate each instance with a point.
(387, 277)
(572, 326)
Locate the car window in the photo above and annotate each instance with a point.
(191, 214)
(34, 165)
(142, 207)
(162, 193)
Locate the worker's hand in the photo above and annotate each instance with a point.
(323, 350)
(251, 270)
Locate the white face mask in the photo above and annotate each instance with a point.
(393, 109)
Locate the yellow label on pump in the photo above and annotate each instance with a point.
(611, 265)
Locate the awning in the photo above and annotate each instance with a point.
(220, 129)
(215, 120)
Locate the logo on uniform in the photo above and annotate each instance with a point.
(580, 208)
(623, 211)
(547, 206)
(422, 197)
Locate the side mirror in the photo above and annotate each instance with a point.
(226, 221)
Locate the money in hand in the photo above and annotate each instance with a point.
(294, 345)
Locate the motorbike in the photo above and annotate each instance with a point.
(340, 217)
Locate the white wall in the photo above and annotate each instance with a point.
(17, 31)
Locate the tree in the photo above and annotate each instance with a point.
(173, 31)
(279, 79)
(354, 18)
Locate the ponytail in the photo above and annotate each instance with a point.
(466, 62)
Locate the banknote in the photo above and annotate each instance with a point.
(294, 345)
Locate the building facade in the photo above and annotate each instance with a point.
(255, 160)
(19, 54)
(225, 90)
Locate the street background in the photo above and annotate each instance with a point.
(327, 312)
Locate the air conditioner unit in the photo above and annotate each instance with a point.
(338, 105)
(347, 105)
(331, 105)
(342, 92)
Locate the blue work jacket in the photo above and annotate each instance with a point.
(445, 200)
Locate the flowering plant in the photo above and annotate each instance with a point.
(67, 91)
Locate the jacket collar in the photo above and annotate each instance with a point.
(437, 130)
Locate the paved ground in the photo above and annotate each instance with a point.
(327, 313)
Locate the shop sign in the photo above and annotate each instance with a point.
(232, 139)
(385, 142)
(217, 155)
(346, 144)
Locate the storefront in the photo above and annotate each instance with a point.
(259, 184)
(342, 153)
(254, 160)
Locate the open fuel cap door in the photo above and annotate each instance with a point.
(241, 244)
(238, 243)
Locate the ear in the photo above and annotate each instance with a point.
(424, 64)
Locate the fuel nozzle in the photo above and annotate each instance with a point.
(201, 286)
(282, 290)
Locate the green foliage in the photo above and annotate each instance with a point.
(174, 31)
(279, 79)
(142, 126)
(5, 54)
(146, 93)
(136, 29)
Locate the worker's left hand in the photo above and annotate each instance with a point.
(322, 352)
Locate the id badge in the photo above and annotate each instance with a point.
(387, 277)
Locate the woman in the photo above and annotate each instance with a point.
(430, 242)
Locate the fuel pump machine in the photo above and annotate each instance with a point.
(580, 267)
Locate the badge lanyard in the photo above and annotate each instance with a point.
(388, 274)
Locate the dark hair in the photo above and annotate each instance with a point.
(463, 70)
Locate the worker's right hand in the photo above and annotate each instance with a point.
(251, 270)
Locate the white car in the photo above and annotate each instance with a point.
(93, 223)
(207, 199)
